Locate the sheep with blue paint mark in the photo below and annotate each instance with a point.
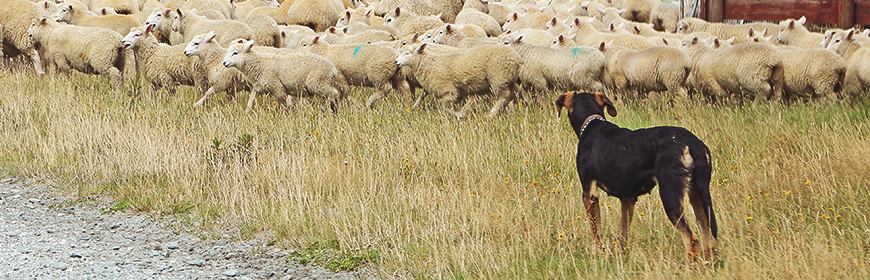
(545, 68)
(363, 65)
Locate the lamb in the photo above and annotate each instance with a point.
(562, 42)
(544, 68)
(557, 27)
(291, 74)
(190, 24)
(745, 68)
(530, 35)
(364, 65)
(586, 35)
(16, 16)
(119, 23)
(499, 12)
(661, 68)
(128, 7)
(793, 33)
(316, 14)
(266, 31)
(475, 12)
(664, 17)
(163, 65)
(162, 20)
(222, 7)
(294, 40)
(835, 34)
(447, 9)
(451, 36)
(857, 57)
(358, 21)
(366, 37)
(722, 30)
(453, 77)
(589, 9)
(220, 78)
(86, 49)
(243, 8)
(409, 23)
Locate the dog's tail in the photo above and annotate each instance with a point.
(701, 176)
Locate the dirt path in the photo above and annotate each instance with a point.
(46, 235)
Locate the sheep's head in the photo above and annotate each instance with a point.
(176, 20)
(35, 31)
(65, 14)
(136, 34)
(193, 47)
(410, 55)
(159, 17)
(236, 53)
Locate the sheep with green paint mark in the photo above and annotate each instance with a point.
(364, 65)
(545, 68)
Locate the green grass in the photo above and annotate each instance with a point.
(429, 196)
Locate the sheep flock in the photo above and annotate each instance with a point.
(450, 49)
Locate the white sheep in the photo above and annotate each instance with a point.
(638, 10)
(290, 74)
(447, 9)
(661, 68)
(586, 35)
(128, 7)
(364, 65)
(793, 33)
(118, 23)
(163, 65)
(452, 36)
(190, 24)
(266, 31)
(220, 78)
(243, 8)
(453, 77)
(16, 16)
(366, 37)
(222, 7)
(278, 13)
(357, 21)
(857, 58)
(723, 30)
(720, 69)
(476, 12)
(545, 68)
(316, 14)
(409, 23)
(664, 16)
(86, 49)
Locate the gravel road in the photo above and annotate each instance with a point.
(46, 235)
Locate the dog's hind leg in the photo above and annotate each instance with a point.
(627, 215)
(590, 200)
(672, 190)
(703, 223)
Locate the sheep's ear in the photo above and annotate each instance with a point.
(149, 28)
(43, 21)
(715, 43)
(694, 40)
(610, 44)
(518, 39)
(590, 20)
(46, 4)
(178, 11)
(210, 36)
(622, 11)
(561, 38)
(601, 11)
(398, 11)
(283, 34)
(415, 37)
(565, 100)
(332, 29)
(584, 4)
(576, 21)
(369, 13)
(665, 41)
(849, 34)
(449, 29)
(802, 20)
(730, 41)
(612, 28)
(791, 24)
(764, 32)
(439, 14)
(636, 30)
(422, 48)
(605, 103)
(602, 46)
(70, 8)
(751, 32)
(315, 40)
(249, 46)
(515, 16)
(103, 11)
(553, 21)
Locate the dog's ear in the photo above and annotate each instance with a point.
(605, 103)
(565, 100)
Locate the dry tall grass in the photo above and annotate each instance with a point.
(441, 198)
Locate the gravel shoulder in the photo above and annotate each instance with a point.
(47, 235)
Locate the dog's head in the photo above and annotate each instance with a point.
(583, 104)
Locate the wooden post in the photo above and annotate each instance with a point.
(847, 14)
(716, 11)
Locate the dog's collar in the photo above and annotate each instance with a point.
(589, 119)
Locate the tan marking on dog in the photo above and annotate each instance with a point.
(689, 163)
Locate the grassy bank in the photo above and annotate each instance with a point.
(419, 193)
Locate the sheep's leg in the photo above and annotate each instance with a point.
(37, 61)
(205, 98)
(400, 85)
(505, 95)
(379, 94)
(852, 84)
(417, 103)
(115, 77)
(288, 102)
(449, 102)
(251, 100)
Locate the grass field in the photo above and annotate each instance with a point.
(419, 193)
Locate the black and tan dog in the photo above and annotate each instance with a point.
(629, 163)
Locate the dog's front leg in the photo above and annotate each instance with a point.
(590, 200)
(627, 215)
